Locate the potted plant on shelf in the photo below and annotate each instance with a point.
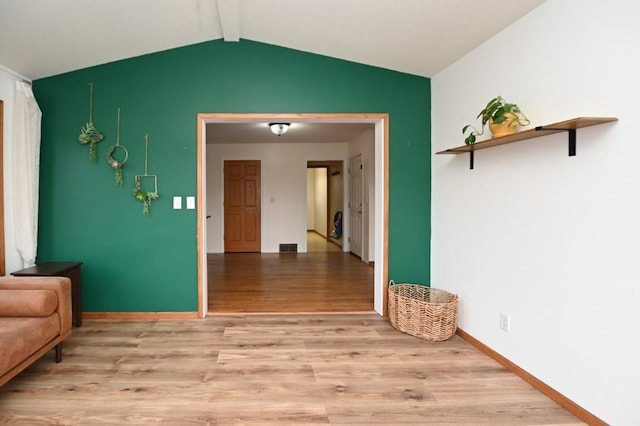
(504, 119)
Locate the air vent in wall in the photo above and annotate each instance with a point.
(289, 248)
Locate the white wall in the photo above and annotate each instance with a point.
(284, 187)
(551, 240)
(7, 94)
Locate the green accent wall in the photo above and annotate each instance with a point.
(133, 264)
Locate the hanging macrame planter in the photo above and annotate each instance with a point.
(89, 134)
(140, 193)
(117, 164)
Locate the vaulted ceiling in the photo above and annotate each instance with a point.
(40, 38)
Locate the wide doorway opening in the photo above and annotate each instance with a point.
(210, 220)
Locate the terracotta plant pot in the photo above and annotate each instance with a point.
(507, 127)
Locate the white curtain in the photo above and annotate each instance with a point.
(25, 169)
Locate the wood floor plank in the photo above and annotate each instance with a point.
(306, 356)
(302, 331)
(269, 370)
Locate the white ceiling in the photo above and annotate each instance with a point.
(40, 38)
(303, 131)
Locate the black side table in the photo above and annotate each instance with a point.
(70, 270)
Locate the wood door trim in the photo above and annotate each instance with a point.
(201, 122)
(140, 315)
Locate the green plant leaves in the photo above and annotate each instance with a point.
(90, 135)
(498, 111)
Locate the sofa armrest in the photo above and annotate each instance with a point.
(60, 285)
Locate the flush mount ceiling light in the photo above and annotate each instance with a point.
(279, 128)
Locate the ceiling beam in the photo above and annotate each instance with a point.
(228, 12)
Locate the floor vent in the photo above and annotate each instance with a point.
(289, 248)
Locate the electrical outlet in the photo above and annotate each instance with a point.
(505, 322)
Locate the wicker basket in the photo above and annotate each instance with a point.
(422, 311)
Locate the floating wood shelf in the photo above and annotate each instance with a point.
(569, 126)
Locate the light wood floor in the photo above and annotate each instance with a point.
(318, 281)
(316, 242)
(269, 370)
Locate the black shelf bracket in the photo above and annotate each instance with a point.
(470, 160)
(572, 138)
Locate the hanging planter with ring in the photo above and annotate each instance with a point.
(89, 134)
(117, 164)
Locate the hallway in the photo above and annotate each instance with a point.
(316, 242)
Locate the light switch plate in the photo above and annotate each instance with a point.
(191, 202)
(177, 203)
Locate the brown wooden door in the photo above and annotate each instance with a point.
(242, 206)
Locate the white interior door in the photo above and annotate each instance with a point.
(355, 205)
